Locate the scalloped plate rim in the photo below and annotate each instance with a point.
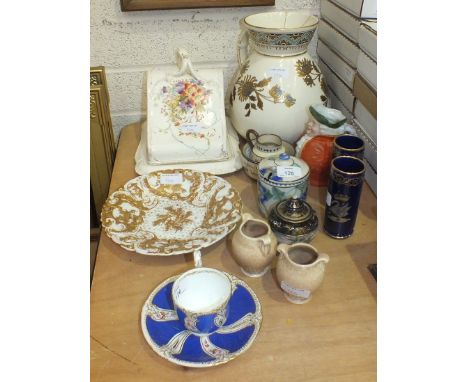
(180, 252)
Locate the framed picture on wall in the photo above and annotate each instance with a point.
(142, 5)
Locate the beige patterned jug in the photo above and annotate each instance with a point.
(300, 271)
(253, 246)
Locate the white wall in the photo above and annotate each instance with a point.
(130, 43)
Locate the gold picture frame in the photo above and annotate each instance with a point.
(147, 5)
(102, 143)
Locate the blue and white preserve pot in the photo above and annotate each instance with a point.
(281, 178)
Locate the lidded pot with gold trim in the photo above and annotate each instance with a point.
(277, 80)
(293, 221)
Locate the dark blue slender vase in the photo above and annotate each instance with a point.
(344, 192)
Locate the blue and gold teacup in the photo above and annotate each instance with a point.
(201, 298)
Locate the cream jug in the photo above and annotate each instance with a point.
(300, 271)
(265, 145)
(253, 246)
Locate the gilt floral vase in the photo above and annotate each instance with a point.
(277, 80)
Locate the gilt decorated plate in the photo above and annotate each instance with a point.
(171, 212)
(169, 338)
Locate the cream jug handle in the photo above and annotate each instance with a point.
(283, 249)
(252, 136)
(242, 46)
(246, 216)
(264, 244)
(197, 259)
(322, 257)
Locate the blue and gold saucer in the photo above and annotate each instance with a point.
(168, 337)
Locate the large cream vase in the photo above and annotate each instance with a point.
(277, 79)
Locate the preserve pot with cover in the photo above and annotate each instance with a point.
(279, 179)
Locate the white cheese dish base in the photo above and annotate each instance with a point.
(231, 164)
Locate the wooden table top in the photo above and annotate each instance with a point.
(331, 338)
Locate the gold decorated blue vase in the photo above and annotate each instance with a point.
(344, 193)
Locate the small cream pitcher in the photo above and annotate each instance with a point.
(253, 246)
(300, 271)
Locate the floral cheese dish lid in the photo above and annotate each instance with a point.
(185, 119)
(283, 169)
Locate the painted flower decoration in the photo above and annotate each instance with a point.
(250, 90)
(246, 87)
(185, 101)
(279, 96)
(186, 104)
(308, 71)
(304, 66)
(264, 192)
(277, 93)
(179, 87)
(289, 100)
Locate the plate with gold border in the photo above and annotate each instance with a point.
(171, 212)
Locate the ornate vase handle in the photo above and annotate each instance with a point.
(242, 47)
(248, 136)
